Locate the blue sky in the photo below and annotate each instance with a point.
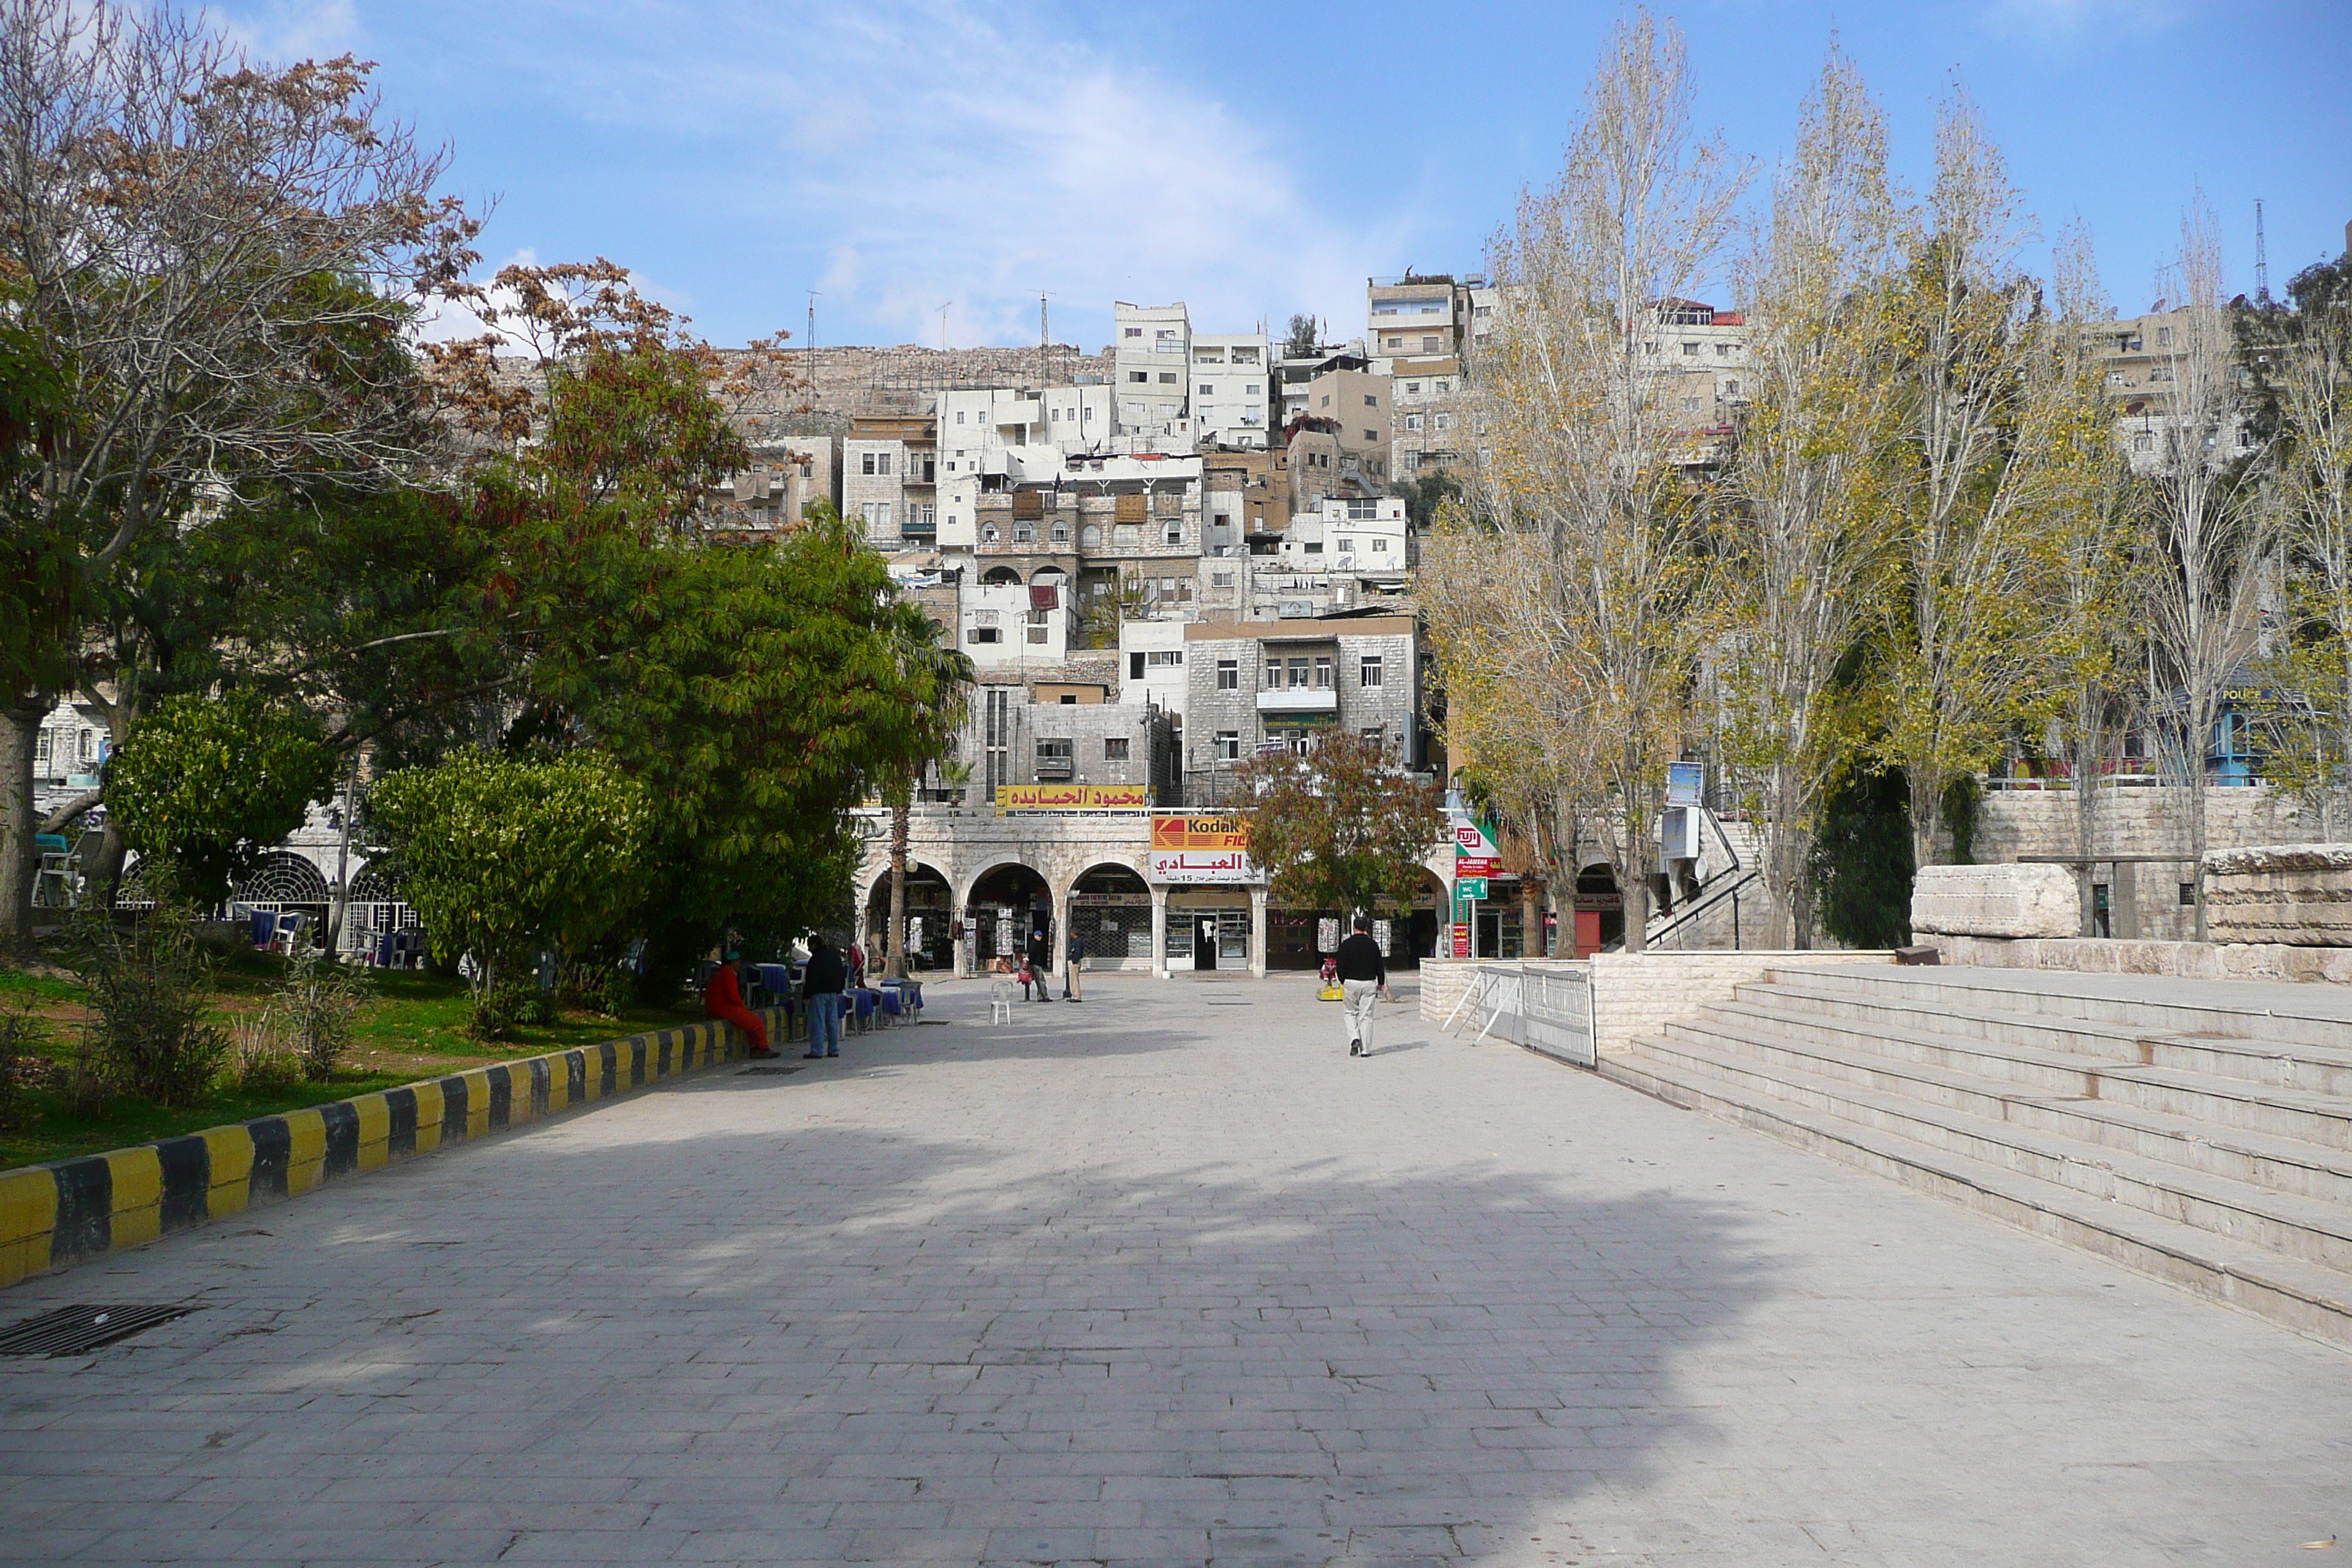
(1256, 159)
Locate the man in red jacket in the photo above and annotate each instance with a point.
(723, 999)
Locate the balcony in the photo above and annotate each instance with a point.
(1298, 699)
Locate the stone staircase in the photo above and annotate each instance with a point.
(2199, 1131)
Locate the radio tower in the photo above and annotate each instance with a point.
(2261, 259)
(1044, 337)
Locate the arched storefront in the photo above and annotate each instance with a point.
(1110, 912)
(1006, 903)
(930, 944)
(1599, 908)
(286, 883)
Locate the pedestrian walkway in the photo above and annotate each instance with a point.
(1162, 1278)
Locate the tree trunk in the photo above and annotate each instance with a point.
(20, 729)
(1531, 917)
(896, 937)
(99, 879)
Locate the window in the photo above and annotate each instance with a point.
(1326, 401)
(1229, 675)
(881, 462)
(868, 466)
(1167, 378)
(877, 515)
(1380, 546)
(1445, 422)
(1690, 405)
(1134, 667)
(1220, 579)
(1443, 385)
(1114, 748)
(1273, 675)
(1143, 377)
(1392, 342)
(987, 634)
(1412, 421)
(1723, 351)
(1208, 389)
(1126, 535)
(1371, 401)
(1431, 345)
(1298, 673)
(926, 518)
(1132, 332)
(958, 416)
(1413, 389)
(1731, 387)
(1229, 745)
(1166, 658)
(2163, 337)
(1344, 546)
(1069, 700)
(1690, 350)
(2143, 444)
(1323, 673)
(1371, 436)
(1369, 671)
(2188, 889)
(44, 745)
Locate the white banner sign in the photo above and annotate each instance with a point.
(1198, 865)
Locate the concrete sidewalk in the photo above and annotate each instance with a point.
(1161, 1277)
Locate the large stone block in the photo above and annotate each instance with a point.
(2295, 895)
(2011, 901)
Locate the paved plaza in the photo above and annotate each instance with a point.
(1162, 1278)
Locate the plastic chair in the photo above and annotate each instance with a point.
(1000, 1002)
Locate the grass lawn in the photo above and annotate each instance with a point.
(414, 1028)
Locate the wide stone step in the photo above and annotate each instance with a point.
(1980, 1068)
(2274, 1015)
(2285, 1165)
(2320, 1070)
(2308, 1298)
(2305, 1228)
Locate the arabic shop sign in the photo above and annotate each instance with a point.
(1073, 797)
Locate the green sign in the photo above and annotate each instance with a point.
(1470, 888)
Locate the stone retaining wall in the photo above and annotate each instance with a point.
(2292, 895)
(2174, 960)
(2009, 901)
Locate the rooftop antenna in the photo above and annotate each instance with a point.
(2261, 259)
(1045, 340)
(943, 326)
(809, 342)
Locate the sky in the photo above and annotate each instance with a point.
(893, 157)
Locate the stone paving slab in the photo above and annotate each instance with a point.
(1160, 1278)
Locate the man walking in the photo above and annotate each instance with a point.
(1363, 976)
(1078, 958)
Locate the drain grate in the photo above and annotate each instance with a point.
(71, 1331)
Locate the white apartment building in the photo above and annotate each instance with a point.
(1230, 388)
(1151, 664)
(1000, 624)
(1151, 357)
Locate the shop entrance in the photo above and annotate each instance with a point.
(1007, 904)
(1204, 940)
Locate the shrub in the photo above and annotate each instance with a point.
(320, 1000)
(148, 979)
(206, 784)
(501, 855)
(21, 1065)
(264, 1064)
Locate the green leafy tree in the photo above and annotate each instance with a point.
(1862, 861)
(208, 785)
(1300, 342)
(501, 855)
(1342, 828)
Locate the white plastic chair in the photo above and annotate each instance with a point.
(1000, 1002)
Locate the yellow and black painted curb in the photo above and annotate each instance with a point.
(55, 1215)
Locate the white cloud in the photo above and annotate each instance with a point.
(950, 150)
(282, 31)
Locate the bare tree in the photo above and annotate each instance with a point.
(216, 265)
(2214, 540)
(1809, 560)
(1581, 449)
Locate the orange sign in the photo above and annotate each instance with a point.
(1174, 832)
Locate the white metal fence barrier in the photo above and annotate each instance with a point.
(1546, 1007)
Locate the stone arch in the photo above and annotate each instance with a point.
(1049, 575)
(930, 910)
(1108, 906)
(283, 878)
(1001, 576)
(1010, 887)
(1090, 537)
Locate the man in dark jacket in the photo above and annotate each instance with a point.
(1363, 975)
(1076, 957)
(1040, 954)
(821, 984)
